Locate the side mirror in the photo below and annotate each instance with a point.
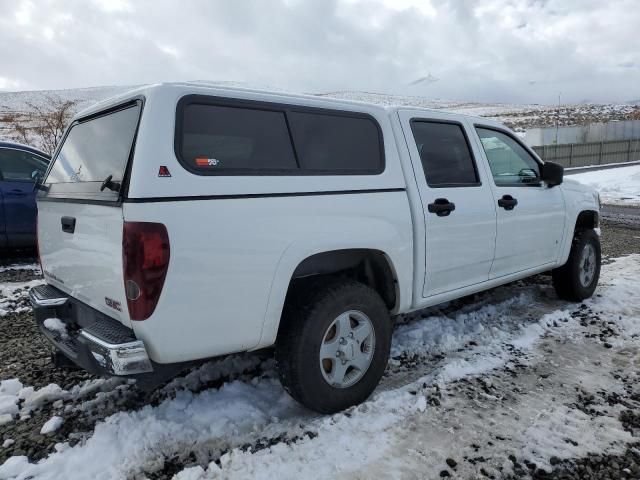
(552, 173)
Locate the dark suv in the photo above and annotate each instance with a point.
(19, 167)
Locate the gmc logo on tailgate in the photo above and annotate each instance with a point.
(111, 303)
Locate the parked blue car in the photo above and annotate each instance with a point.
(19, 167)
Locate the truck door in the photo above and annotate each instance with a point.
(531, 215)
(458, 206)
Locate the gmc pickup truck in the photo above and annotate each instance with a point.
(180, 222)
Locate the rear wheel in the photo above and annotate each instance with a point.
(577, 279)
(333, 345)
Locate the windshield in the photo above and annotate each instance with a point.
(93, 151)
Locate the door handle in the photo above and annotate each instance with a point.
(68, 224)
(507, 202)
(441, 207)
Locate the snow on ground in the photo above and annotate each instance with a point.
(52, 425)
(14, 297)
(617, 186)
(18, 400)
(249, 428)
(20, 266)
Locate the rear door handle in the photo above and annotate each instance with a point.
(507, 202)
(441, 207)
(68, 224)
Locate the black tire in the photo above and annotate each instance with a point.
(566, 279)
(309, 312)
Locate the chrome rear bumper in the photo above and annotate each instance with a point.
(119, 358)
(46, 296)
(92, 340)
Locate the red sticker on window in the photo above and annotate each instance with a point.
(207, 162)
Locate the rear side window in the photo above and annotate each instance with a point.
(230, 138)
(222, 137)
(445, 154)
(332, 142)
(92, 151)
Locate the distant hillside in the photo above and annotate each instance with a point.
(518, 117)
(19, 101)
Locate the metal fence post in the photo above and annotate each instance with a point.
(629, 159)
(601, 151)
(570, 154)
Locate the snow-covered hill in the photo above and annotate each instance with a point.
(20, 101)
(519, 117)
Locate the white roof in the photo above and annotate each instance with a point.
(275, 96)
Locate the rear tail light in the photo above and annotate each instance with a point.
(145, 260)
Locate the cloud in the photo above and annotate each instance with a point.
(495, 50)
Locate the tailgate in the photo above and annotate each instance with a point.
(80, 249)
(80, 224)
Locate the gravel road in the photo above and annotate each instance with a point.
(623, 216)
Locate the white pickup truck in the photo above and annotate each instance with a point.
(181, 222)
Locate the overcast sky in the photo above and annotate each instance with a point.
(488, 50)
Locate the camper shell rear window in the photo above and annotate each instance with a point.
(221, 136)
(94, 149)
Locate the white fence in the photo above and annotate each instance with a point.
(593, 153)
(592, 133)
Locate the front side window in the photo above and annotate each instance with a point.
(510, 163)
(21, 165)
(445, 154)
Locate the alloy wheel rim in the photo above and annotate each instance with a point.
(587, 265)
(347, 349)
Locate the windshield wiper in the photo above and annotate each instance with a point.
(114, 186)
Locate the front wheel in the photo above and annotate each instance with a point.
(577, 279)
(333, 345)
